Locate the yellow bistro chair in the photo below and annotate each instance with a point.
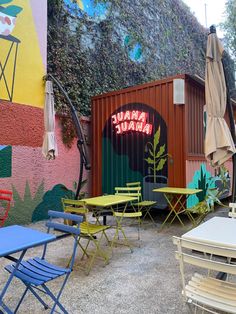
(145, 206)
(92, 232)
(127, 212)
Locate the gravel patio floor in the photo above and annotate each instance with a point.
(145, 281)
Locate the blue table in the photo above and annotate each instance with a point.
(19, 239)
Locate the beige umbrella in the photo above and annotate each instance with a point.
(219, 145)
(49, 148)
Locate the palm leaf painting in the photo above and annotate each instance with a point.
(157, 155)
(11, 10)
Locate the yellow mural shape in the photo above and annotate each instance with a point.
(26, 61)
(80, 4)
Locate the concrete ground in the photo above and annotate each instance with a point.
(146, 281)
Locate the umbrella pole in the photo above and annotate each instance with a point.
(81, 144)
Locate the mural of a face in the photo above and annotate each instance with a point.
(23, 52)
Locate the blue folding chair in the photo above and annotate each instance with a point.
(36, 272)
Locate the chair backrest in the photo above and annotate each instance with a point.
(62, 227)
(133, 184)
(129, 191)
(203, 260)
(5, 204)
(74, 206)
(232, 212)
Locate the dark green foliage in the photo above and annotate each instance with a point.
(229, 27)
(92, 57)
(51, 201)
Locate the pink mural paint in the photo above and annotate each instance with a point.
(28, 164)
(39, 11)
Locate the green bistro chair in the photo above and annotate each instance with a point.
(132, 212)
(92, 233)
(145, 206)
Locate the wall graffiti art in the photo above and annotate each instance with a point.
(5, 161)
(23, 51)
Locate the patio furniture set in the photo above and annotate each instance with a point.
(36, 272)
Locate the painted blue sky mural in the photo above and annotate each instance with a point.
(96, 11)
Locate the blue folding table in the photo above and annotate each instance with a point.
(16, 239)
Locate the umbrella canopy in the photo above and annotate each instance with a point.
(49, 148)
(219, 145)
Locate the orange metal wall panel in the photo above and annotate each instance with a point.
(158, 95)
(195, 107)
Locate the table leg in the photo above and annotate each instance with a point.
(119, 228)
(173, 205)
(4, 290)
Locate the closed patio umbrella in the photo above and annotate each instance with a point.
(49, 148)
(219, 145)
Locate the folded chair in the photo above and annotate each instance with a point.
(36, 272)
(5, 204)
(131, 211)
(91, 232)
(145, 206)
(205, 291)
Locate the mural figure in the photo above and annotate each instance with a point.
(8, 15)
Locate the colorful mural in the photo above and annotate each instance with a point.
(5, 161)
(134, 48)
(94, 9)
(134, 148)
(207, 182)
(23, 51)
(37, 184)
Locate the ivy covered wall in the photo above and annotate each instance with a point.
(99, 46)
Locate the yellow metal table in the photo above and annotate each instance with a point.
(176, 199)
(109, 202)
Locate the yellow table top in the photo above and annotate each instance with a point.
(174, 190)
(108, 200)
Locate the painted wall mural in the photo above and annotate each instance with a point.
(95, 10)
(23, 28)
(37, 184)
(5, 161)
(206, 181)
(134, 148)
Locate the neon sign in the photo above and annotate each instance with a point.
(134, 120)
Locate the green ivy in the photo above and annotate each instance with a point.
(90, 57)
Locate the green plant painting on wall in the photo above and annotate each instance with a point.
(23, 207)
(213, 188)
(202, 184)
(51, 201)
(157, 155)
